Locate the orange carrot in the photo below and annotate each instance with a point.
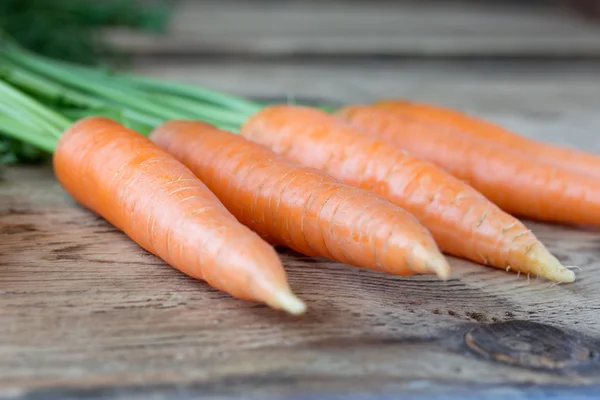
(518, 184)
(159, 203)
(462, 221)
(302, 208)
(445, 119)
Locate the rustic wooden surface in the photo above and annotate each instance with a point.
(84, 310)
(342, 28)
(85, 313)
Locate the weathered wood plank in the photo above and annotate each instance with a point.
(82, 308)
(406, 28)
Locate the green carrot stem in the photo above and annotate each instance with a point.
(10, 111)
(160, 106)
(23, 133)
(61, 93)
(115, 113)
(74, 79)
(140, 122)
(132, 99)
(198, 110)
(141, 118)
(146, 83)
(197, 93)
(43, 87)
(185, 107)
(40, 114)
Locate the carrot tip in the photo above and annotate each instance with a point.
(442, 270)
(564, 275)
(545, 265)
(437, 264)
(287, 301)
(558, 273)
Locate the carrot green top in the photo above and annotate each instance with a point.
(138, 102)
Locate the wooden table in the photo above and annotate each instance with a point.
(84, 312)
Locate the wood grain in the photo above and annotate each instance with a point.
(84, 311)
(362, 28)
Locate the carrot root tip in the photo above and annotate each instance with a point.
(562, 275)
(569, 276)
(547, 266)
(442, 269)
(287, 301)
(429, 262)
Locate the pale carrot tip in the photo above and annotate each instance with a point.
(439, 266)
(547, 266)
(430, 261)
(443, 271)
(287, 301)
(563, 275)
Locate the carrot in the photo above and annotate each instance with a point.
(445, 119)
(302, 208)
(462, 221)
(482, 232)
(517, 183)
(153, 198)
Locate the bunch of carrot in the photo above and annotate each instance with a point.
(147, 193)
(380, 186)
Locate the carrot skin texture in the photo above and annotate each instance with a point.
(463, 222)
(517, 183)
(302, 208)
(442, 118)
(154, 199)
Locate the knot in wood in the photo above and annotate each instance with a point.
(529, 344)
